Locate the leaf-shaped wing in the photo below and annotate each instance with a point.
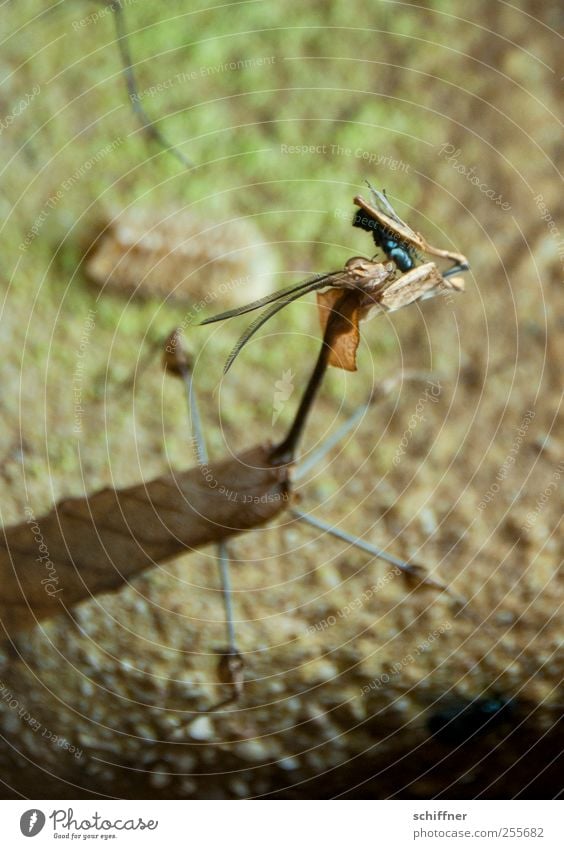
(424, 281)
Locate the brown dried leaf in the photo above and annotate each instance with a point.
(149, 251)
(347, 308)
(86, 546)
(421, 283)
(345, 336)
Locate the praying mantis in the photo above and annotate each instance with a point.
(96, 543)
(363, 288)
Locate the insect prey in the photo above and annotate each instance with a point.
(364, 287)
(395, 238)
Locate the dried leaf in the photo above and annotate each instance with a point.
(148, 251)
(345, 336)
(419, 284)
(86, 546)
(374, 296)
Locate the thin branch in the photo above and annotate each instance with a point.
(133, 91)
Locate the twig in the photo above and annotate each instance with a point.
(133, 91)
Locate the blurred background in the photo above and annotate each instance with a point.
(454, 109)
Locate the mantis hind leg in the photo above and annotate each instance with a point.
(230, 667)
